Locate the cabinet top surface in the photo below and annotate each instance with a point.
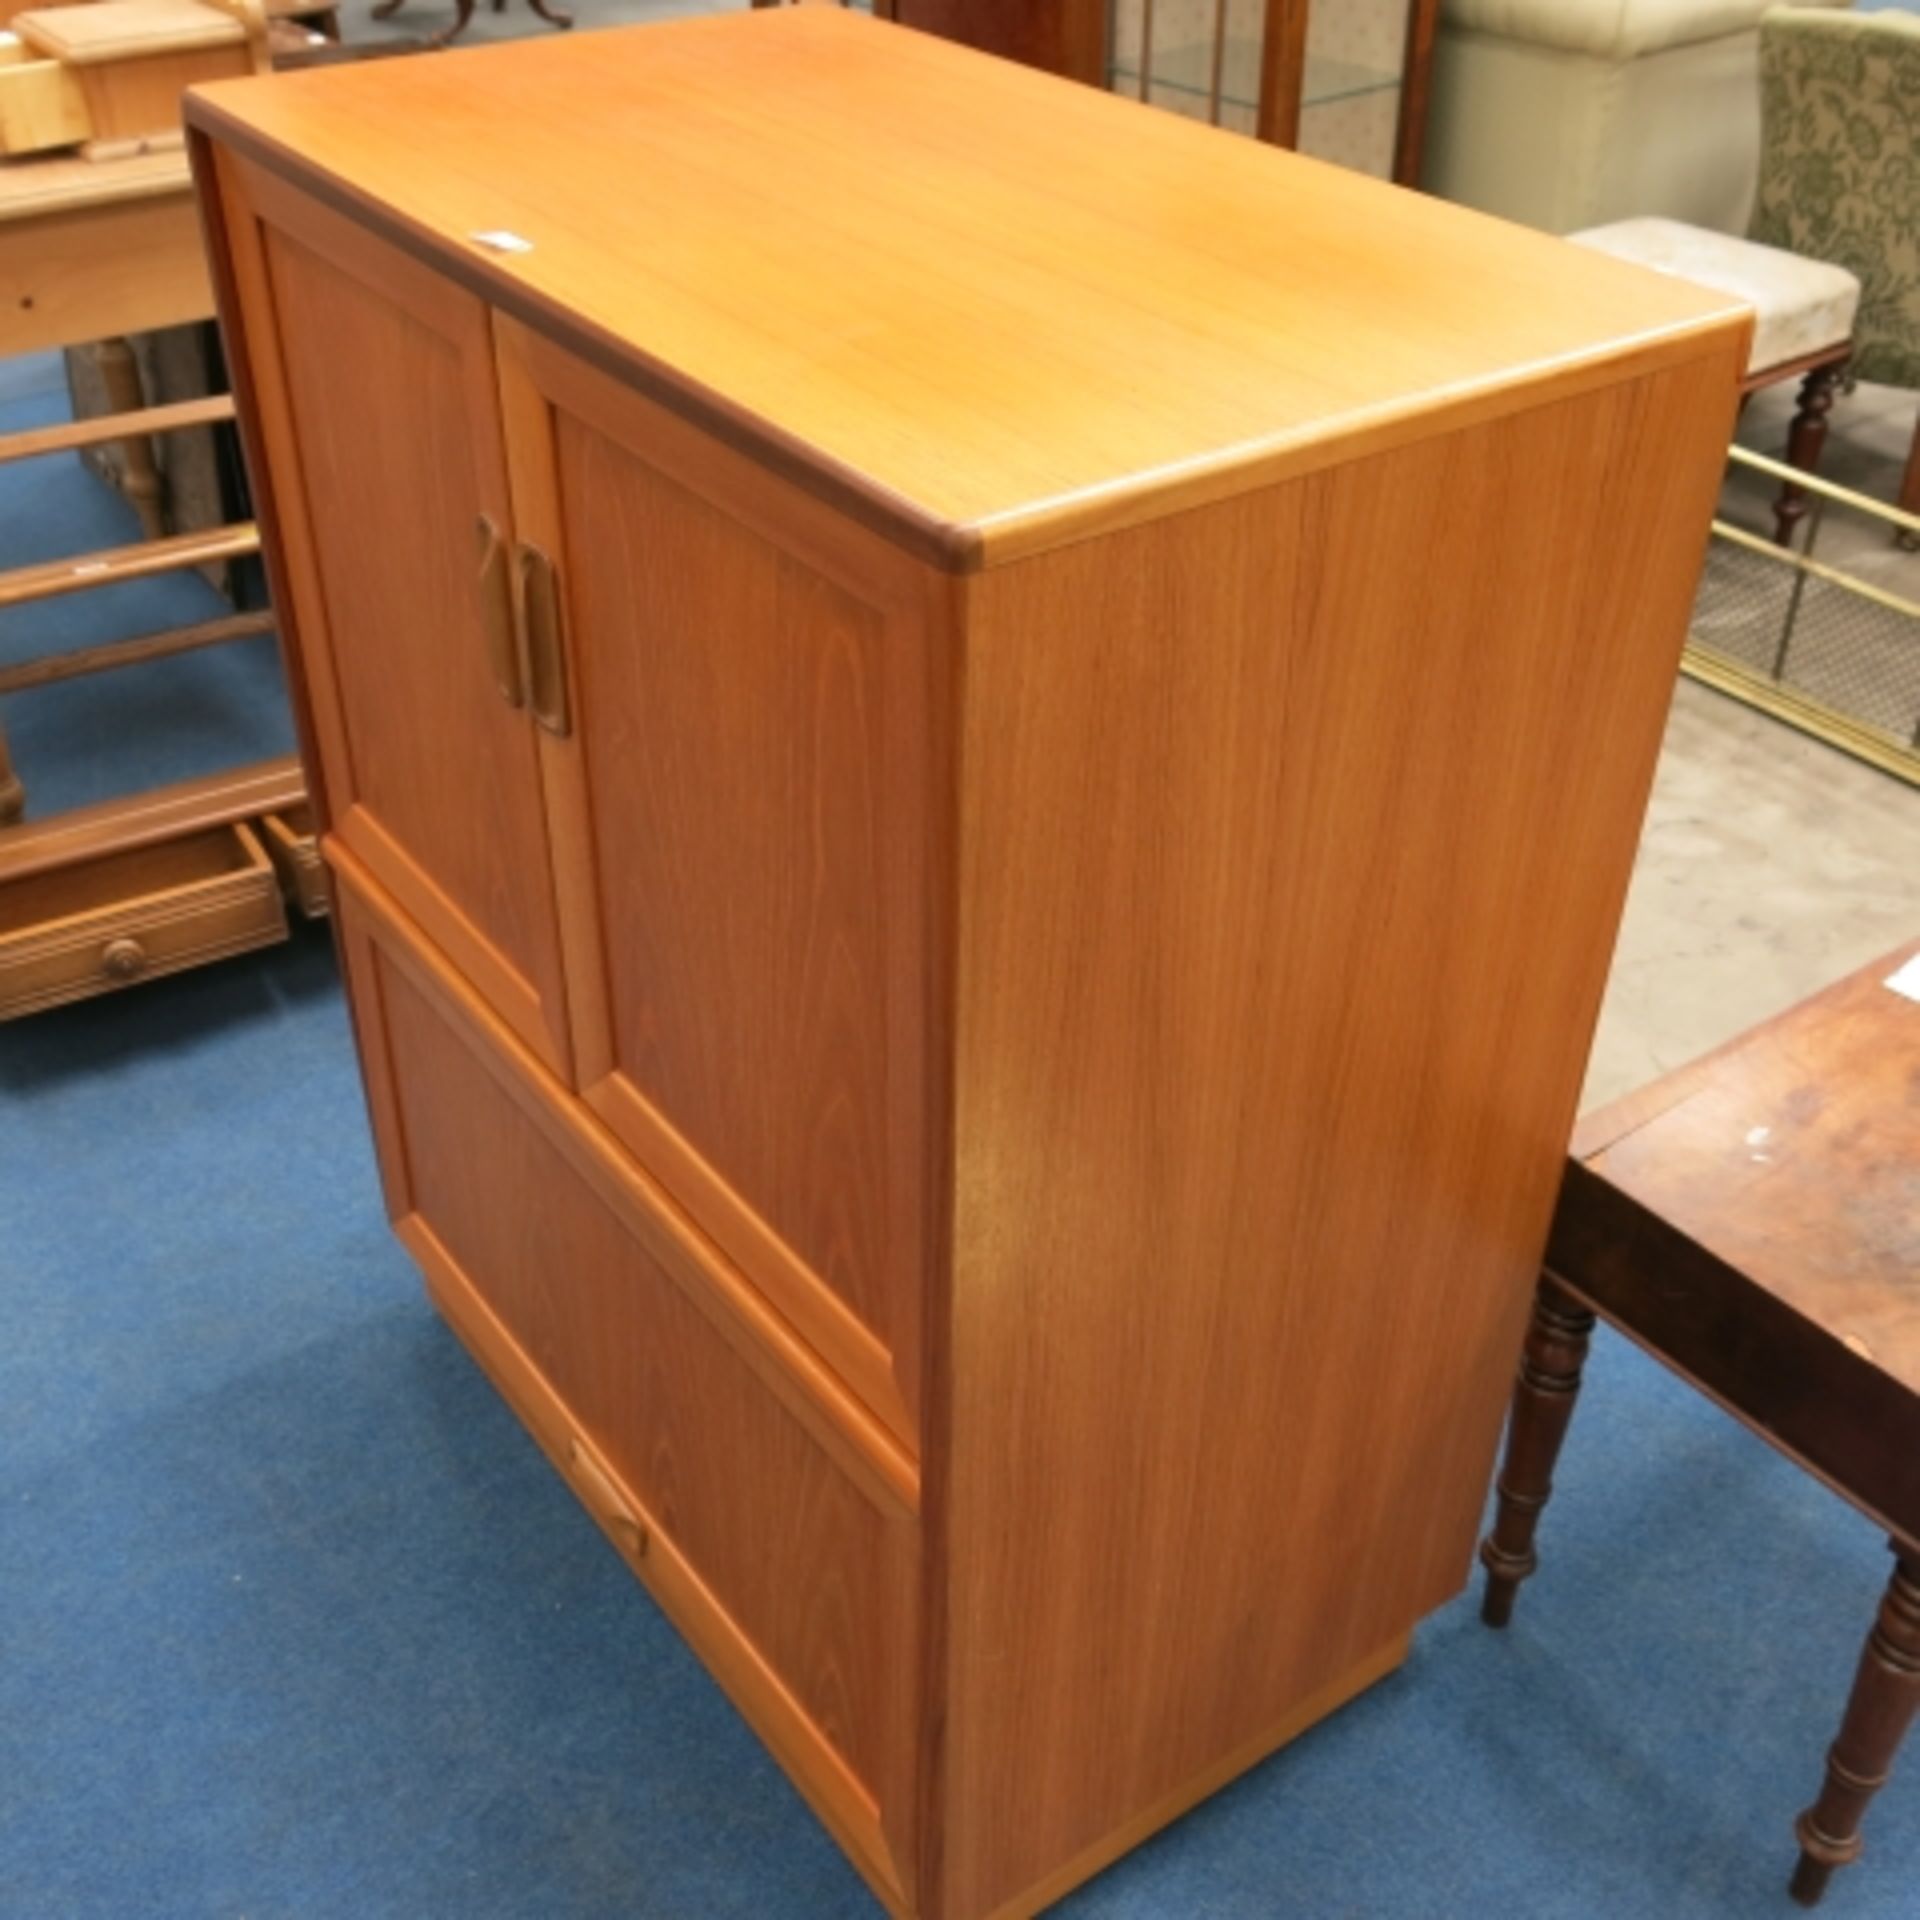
(986, 309)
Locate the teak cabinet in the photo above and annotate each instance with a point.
(979, 750)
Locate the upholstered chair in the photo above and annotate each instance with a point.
(1840, 174)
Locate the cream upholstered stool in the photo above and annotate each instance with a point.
(1804, 320)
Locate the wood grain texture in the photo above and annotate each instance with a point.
(1302, 1715)
(743, 807)
(1050, 312)
(143, 819)
(1416, 91)
(49, 669)
(117, 30)
(1283, 71)
(1279, 958)
(1751, 1219)
(41, 106)
(1794, 1154)
(790, 1369)
(63, 435)
(1051, 1078)
(672, 1442)
(68, 184)
(75, 931)
(128, 100)
(294, 848)
(376, 405)
(78, 573)
(82, 268)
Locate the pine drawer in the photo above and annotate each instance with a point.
(106, 923)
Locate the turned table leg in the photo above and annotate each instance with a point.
(1805, 439)
(463, 12)
(1543, 1399)
(1886, 1690)
(120, 382)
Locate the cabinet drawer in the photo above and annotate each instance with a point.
(294, 849)
(793, 1582)
(106, 923)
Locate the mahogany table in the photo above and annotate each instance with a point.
(1753, 1221)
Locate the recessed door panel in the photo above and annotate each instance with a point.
(380, 411)
(749, 765)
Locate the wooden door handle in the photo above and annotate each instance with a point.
(546, 640)
(604, 1498)
(496, 613)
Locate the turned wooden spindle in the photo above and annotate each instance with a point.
(139, 473)
(1886, 1692)
(1805, 439)
(1543, 1398)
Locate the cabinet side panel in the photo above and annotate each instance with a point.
(1294, 836)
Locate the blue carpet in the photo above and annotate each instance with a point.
(296, 1624)
(121, 732)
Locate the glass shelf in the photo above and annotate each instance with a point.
(1188, 70)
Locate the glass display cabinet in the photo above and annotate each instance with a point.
(1344, 80)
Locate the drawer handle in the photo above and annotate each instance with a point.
(546, 640)
(604, 1498)
(496, 613)
(124, 959)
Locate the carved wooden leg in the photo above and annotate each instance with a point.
(1805, 438)
(13, 796)
(463, 14)
(1886, 1691)
(120, 382)
(1543, 1399)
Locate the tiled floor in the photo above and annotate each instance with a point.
(1770, 864)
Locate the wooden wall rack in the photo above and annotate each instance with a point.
(101, 245)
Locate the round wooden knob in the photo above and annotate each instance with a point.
(124, 959)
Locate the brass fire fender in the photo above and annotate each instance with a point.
(1769, 691)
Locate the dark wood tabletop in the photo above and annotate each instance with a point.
(1754, 1217)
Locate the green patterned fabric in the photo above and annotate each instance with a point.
(1840, 166)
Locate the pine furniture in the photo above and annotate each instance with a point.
(99, 898)
(106, 76)
(977, 806)
(1751, 1221)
